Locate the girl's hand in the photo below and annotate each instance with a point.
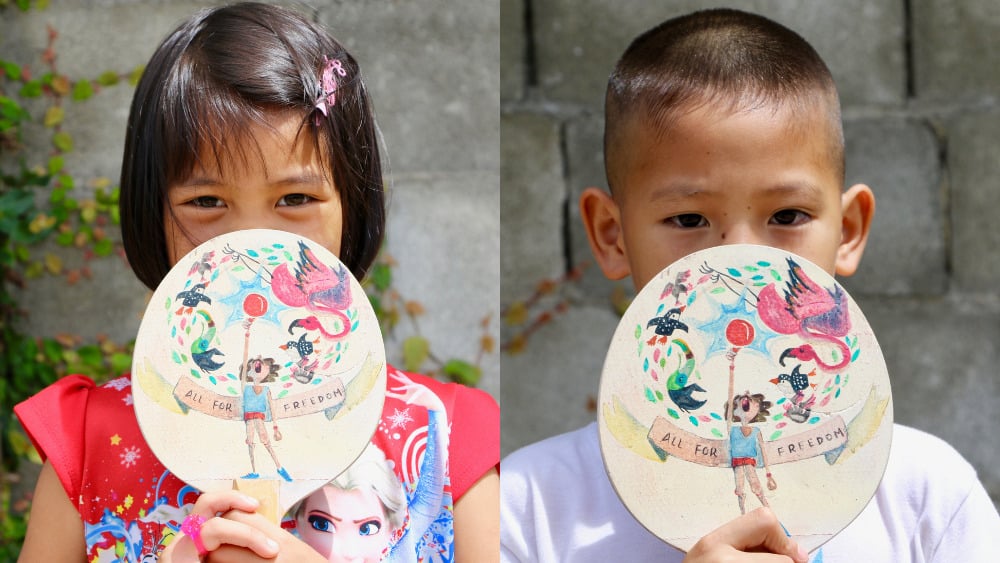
(756, 536)
(290, 549)
(217, 531)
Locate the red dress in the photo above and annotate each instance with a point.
(132, 506)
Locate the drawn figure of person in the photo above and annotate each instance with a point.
(354, 518)
(258, 409)
(746, 445)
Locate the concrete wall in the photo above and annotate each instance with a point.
(431, 66)
(921, 113)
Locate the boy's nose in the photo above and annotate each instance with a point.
(740, 233)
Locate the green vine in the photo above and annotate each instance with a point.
(41, 205)
(44, 206)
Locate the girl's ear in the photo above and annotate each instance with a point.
(602, 220)
(858, 209)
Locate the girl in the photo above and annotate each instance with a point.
(247, 116)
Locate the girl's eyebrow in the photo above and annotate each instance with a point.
(197, 182)
(304, 178)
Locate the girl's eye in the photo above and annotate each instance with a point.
(369, 528)
(789, 217)
(207, 201)
(688, 220)
(320, 524)
(294, 200)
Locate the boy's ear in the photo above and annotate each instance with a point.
(602, 219)
(858, 209)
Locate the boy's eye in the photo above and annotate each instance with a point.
(294, 200)
(688, 220)
(320, 524)
(369, 528)
(789, 217)
(207, 201)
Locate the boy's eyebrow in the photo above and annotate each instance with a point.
(680, 191)
(677, 191)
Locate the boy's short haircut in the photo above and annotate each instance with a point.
(730, 59)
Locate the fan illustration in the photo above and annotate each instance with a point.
(259, 364)
(761, 382)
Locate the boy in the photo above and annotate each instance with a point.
(723, 127)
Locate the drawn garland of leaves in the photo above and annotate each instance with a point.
(756, 276)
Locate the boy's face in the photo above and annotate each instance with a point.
(719, 177)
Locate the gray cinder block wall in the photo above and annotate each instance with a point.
(431, 67)
(920, 91)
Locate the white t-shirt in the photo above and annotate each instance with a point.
(557, 505)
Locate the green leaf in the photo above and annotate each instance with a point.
(108, 78)
(415, 351)
(104, 247)
(53, 350)
(83, 90)
(91, 356)
(56, 164)
(133, 78)
(31, 89)
(11, 70)
(381, 276)
(22, 446)
(463, 372)
(63, 141)
(120, 363)
(11, 113)
(54, 116)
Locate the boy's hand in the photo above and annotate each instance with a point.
(756, 536)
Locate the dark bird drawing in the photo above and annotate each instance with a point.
(666, 325)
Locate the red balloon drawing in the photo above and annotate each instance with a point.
(739, 332)
(255, 305)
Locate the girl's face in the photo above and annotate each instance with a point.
(280, 184)
(345, 526)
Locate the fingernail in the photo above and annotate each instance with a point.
(251, 500)
(272, 544)
(803, 555)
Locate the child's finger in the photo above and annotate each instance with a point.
(210, 504)
(220, 531)
(754, 532)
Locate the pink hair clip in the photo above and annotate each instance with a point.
(328, 84)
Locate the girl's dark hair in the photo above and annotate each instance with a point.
(218, 75)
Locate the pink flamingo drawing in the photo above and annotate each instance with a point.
(316, 287)
(815, 313)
